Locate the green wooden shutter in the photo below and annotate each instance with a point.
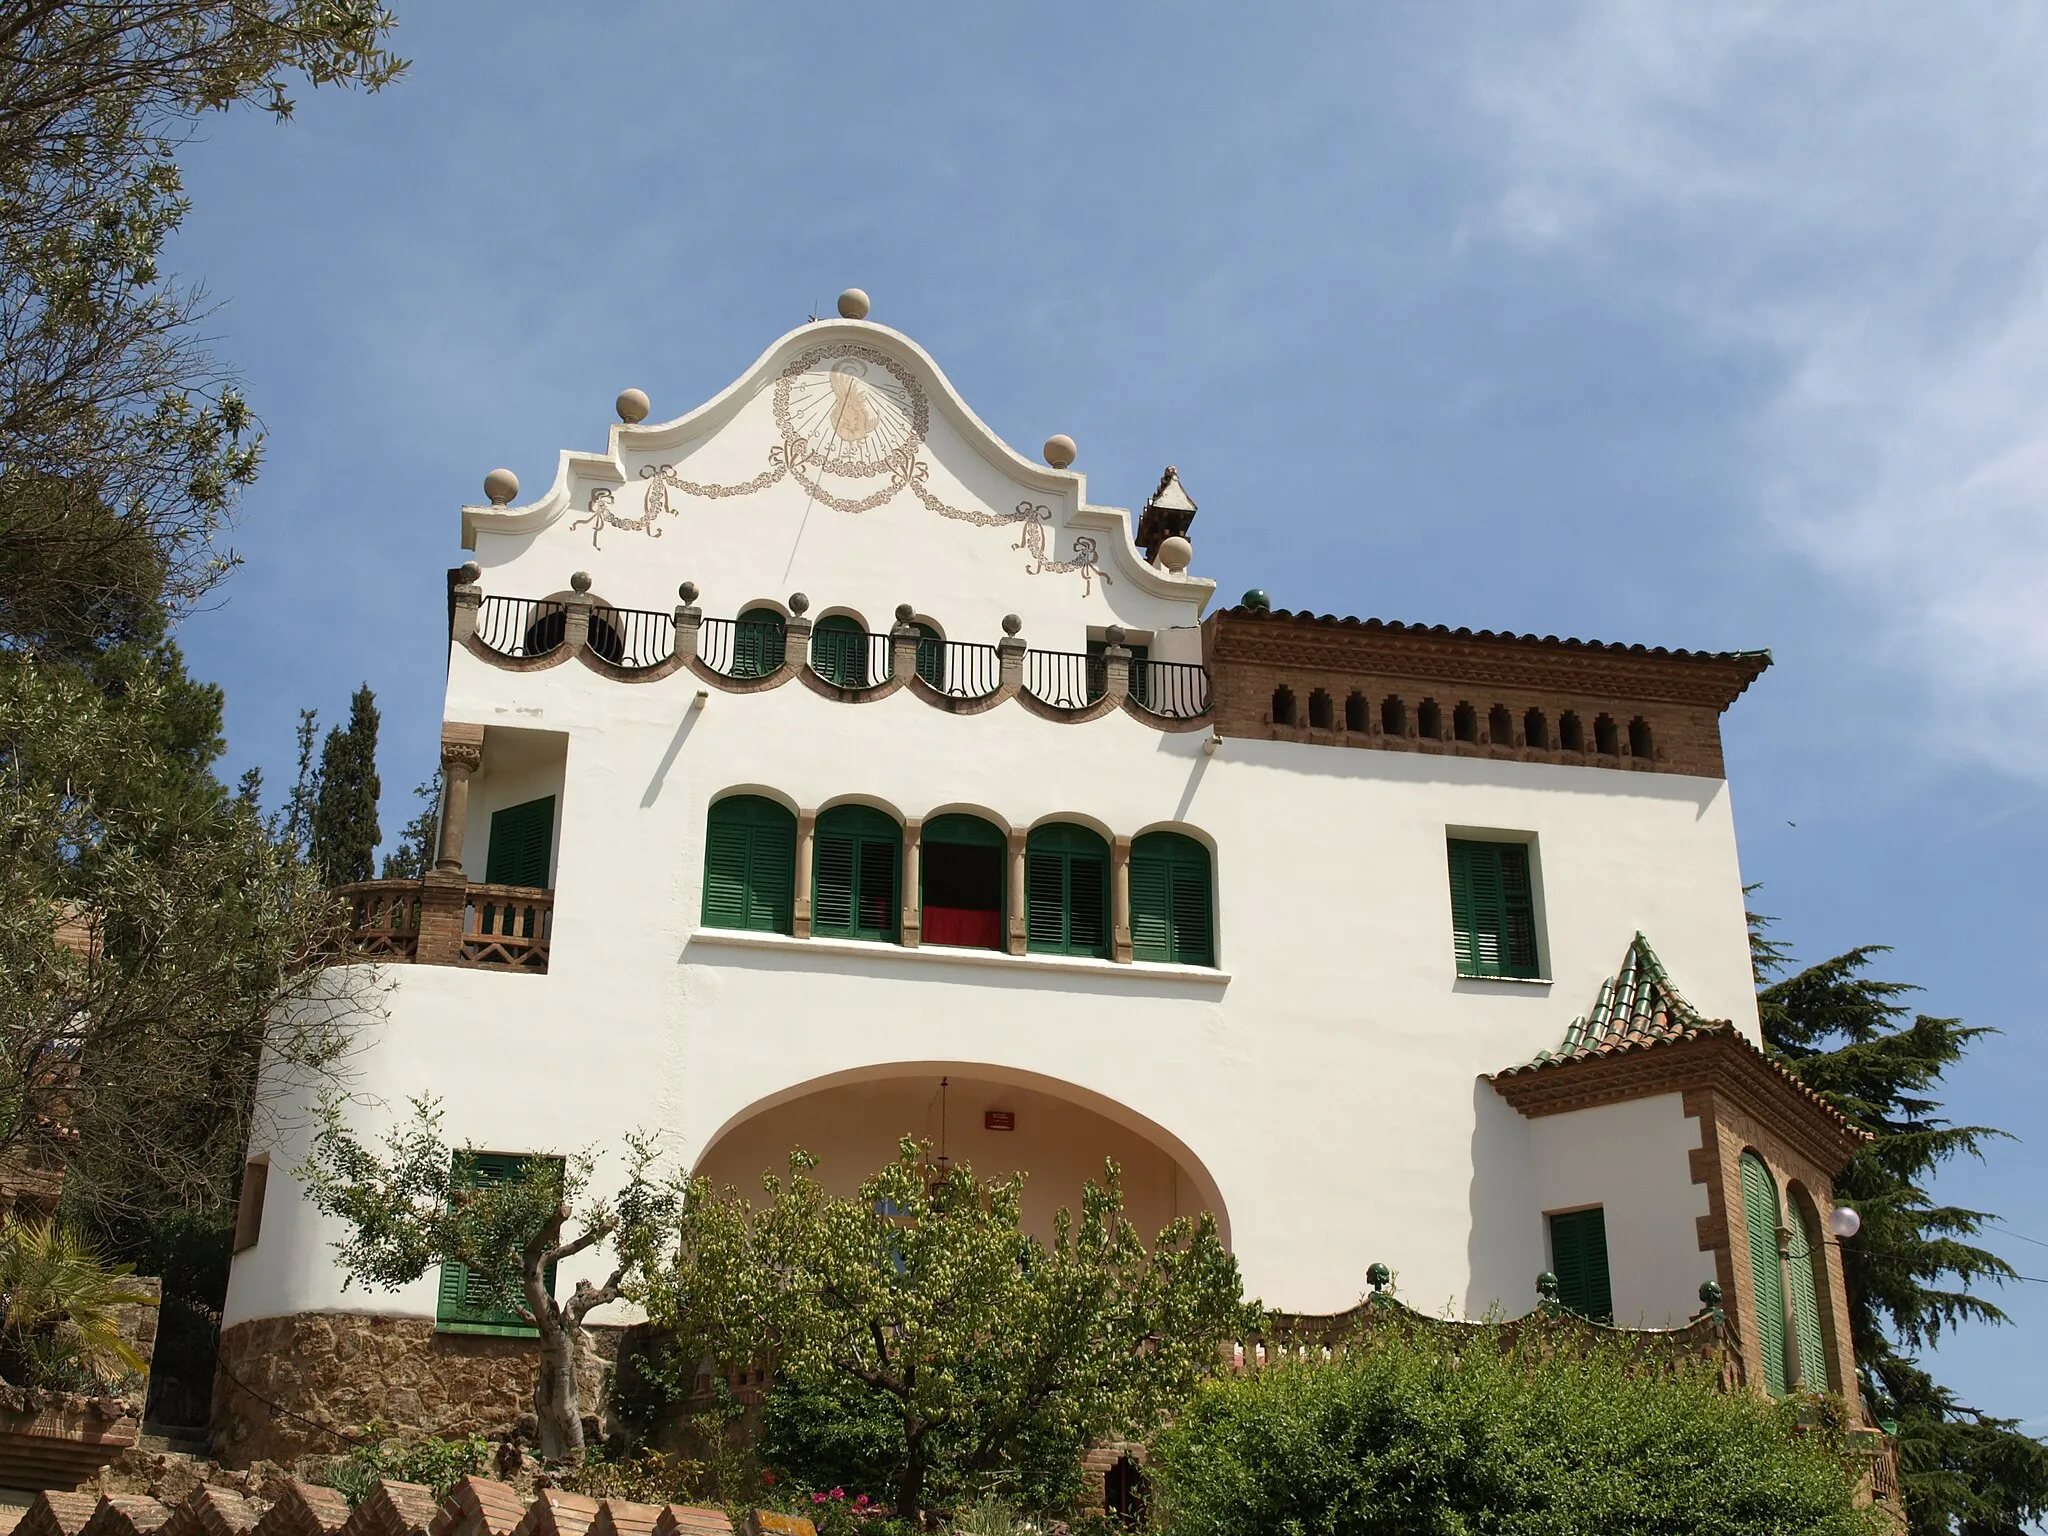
(1493, 911)
(1098, 670)
(1578, 1257)
(839, 652)
(1067, 891)
(931, 656)
(521, 839)
(856, 859)
(749, 865)
(759, 643)
(464, 1304)
(1171, 900)
(1760, 1222)
(1806, 1254)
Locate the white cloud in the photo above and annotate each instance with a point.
(1861, 199)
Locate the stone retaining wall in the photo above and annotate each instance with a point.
(292, 1386)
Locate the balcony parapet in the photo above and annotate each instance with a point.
(442, 919)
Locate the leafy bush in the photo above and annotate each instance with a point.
(1421, 1432)
(439, 1464)
(59, 1301)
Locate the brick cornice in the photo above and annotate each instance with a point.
(1723, 1062)
(1378, 648)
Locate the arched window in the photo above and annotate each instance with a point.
(1172, 902)
(759, 642)
(1571, 732)
(1536, 730)
(839, 652)
(1321, 713)
(961, 867)
(1393, 716)
(1283, 705)
(1465, 723)
(1500, 726)
(856, 860)
(1640, 742)
(1356, 712)
(1760, 1211)
(545, 632)
(1802, 1265)
(1605, 737)
(1429, 720)
(931, 656)
(749, 865)
(1066, 902)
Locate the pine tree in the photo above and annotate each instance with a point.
(414, 855)
(345, 831)
(1911, 1268)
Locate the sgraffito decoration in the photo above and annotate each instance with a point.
(852, 422)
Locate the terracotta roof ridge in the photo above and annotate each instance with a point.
(1496, 636)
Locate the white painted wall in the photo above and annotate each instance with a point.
(1324, 1081)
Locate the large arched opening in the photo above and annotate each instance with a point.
(995, 1119)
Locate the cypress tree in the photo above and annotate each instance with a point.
(345, 831)
(1911, 1268)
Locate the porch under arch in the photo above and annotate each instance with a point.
(1058, 1134)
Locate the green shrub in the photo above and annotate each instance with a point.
(439, 1464)
(60, 1324)
(1425, 1433)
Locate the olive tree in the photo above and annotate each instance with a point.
(416, 1203)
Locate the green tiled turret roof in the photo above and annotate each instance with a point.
(1637, 1006)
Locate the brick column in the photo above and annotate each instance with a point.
(806, 829)
(903, 640)
(462, 750)
(1010, 655)
(467, 597)
(796, 649)
(911, 925)
(576, 622)
(689, 623)
(1019, 930)
(1120, 894)
(1116, 670)
(443, 898)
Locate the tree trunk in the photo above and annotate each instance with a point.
(557, 1406)
(910, 1483)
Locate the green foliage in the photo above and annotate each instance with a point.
(1421, 1431)
(344, 827)
(59, 1301)
(438, 1464)
(1911, 1269)
(921, 1299)
(414, 855)
(833, 1433)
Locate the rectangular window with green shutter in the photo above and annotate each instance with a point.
(464, 1304)
(522, 838)
(1578, 1257)
(1493, 909)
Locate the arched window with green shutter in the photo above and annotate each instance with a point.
(1172, 900)
(839, 652)
(856, 865)
(522, 837)
(1066, 891)
(749, 865)
(1803, 1256)
(1760, 1210)
(760, 640)
(963, 869)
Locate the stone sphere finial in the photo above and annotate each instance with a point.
(1011, 624)
(580, 582)
(1257, 601)
(1546, 1286)
(471, 573)
(1175, 554)
(1710, 1293)
(1060, 450)
(501, 485)
(905, 613)
(687, 591)
(853, 304)
(632, 405)
(799, 604)
(1115, 634)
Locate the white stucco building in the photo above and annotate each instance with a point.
(947, 802)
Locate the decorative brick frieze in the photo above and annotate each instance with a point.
(1398, 687)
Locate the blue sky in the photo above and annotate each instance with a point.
(1710, 326)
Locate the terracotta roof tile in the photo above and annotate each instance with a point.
(58, 1514)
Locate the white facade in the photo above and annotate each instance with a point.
(1321, 1087)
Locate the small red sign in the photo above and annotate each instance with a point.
(999, 1120)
